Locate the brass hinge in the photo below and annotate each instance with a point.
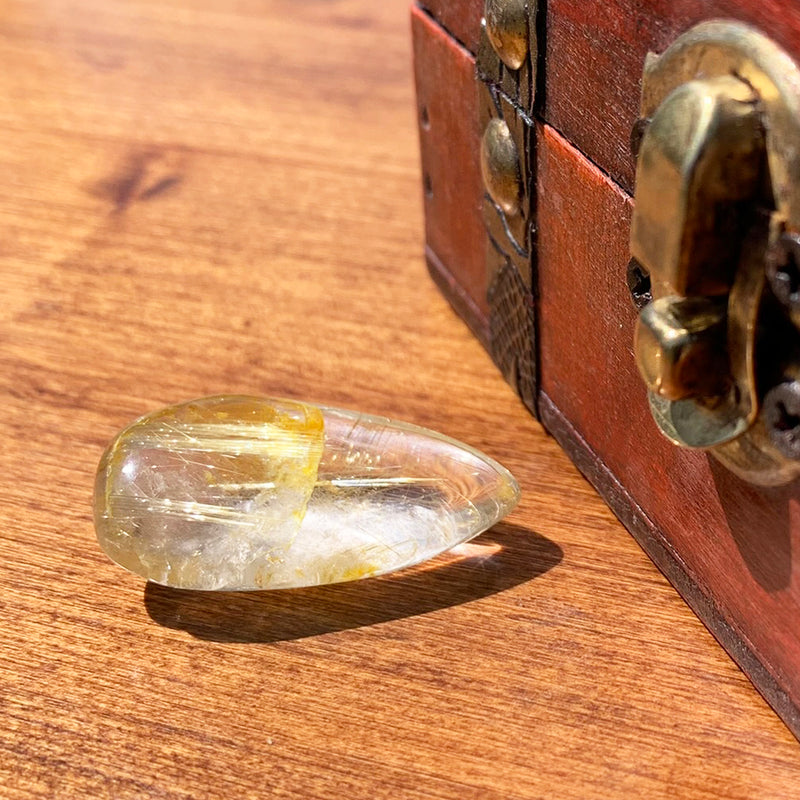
(506, 79)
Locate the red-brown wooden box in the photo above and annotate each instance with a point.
(725, 544)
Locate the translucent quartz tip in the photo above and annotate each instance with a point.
(241, 493)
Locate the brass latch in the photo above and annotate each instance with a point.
(715, 228)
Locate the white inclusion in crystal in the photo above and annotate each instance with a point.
(245, 493)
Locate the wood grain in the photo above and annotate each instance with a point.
(461, 18)
(205, 197)
(450, 135)
(595, 54)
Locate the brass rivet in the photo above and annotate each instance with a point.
(507, 29)
(500, 166)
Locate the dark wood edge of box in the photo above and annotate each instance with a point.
(652, 541)
(458, 298)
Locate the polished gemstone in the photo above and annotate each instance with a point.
(246, 493)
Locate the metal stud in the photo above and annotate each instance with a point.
(507, 29)
(500, 166)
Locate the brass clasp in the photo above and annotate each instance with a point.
(717, 189)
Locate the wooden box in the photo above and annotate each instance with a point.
(551, 299)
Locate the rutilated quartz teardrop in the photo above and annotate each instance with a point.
(248, 493)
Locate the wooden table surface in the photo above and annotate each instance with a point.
(206, 196)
